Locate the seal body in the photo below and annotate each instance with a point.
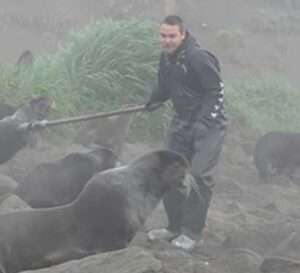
(59, 183)
(277, 153)
(105, 216)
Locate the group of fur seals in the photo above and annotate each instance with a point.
(13, 137)
(105, 216)
(59, 183)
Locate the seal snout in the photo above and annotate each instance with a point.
(174, 169)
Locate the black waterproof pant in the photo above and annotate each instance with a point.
(202, 147)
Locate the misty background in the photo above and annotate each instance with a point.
(258, 45)
(256, 41)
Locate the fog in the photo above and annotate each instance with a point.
(255, 44)
(249, 219)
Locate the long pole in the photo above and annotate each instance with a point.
(94, 116)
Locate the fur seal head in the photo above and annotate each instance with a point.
(37, 109)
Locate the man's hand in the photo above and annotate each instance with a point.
(36, 125)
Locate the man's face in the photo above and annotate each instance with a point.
(170, 38)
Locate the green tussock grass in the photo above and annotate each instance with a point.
(108, 64)
(103, 67)
(267, 104)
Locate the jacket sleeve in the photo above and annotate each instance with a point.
(207, 70)
(160, 93)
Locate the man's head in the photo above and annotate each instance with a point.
(172, 33)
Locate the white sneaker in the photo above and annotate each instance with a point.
(184, 242)
(161, 234)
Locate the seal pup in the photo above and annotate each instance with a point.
(105, 216)
(26, 58)
(13, 135)
(277, 153)
(59, 182)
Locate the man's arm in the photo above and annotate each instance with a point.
(160, 92)
(207, 69)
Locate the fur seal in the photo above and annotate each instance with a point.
(277, 153)
(110, 132)
(59, 182)
(12, 136)
(105, 216)
(26, 58)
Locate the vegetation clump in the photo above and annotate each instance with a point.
(110, 64)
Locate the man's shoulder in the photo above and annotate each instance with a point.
(197, 54)
(197, 51)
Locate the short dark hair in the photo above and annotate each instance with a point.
(174, 20)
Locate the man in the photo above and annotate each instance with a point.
(190, 77)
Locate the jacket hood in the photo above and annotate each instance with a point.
(189, 41)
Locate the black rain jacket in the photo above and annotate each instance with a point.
(191, 79)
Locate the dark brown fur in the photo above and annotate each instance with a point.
(59, 183)
(277, 153)
(106, 215)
